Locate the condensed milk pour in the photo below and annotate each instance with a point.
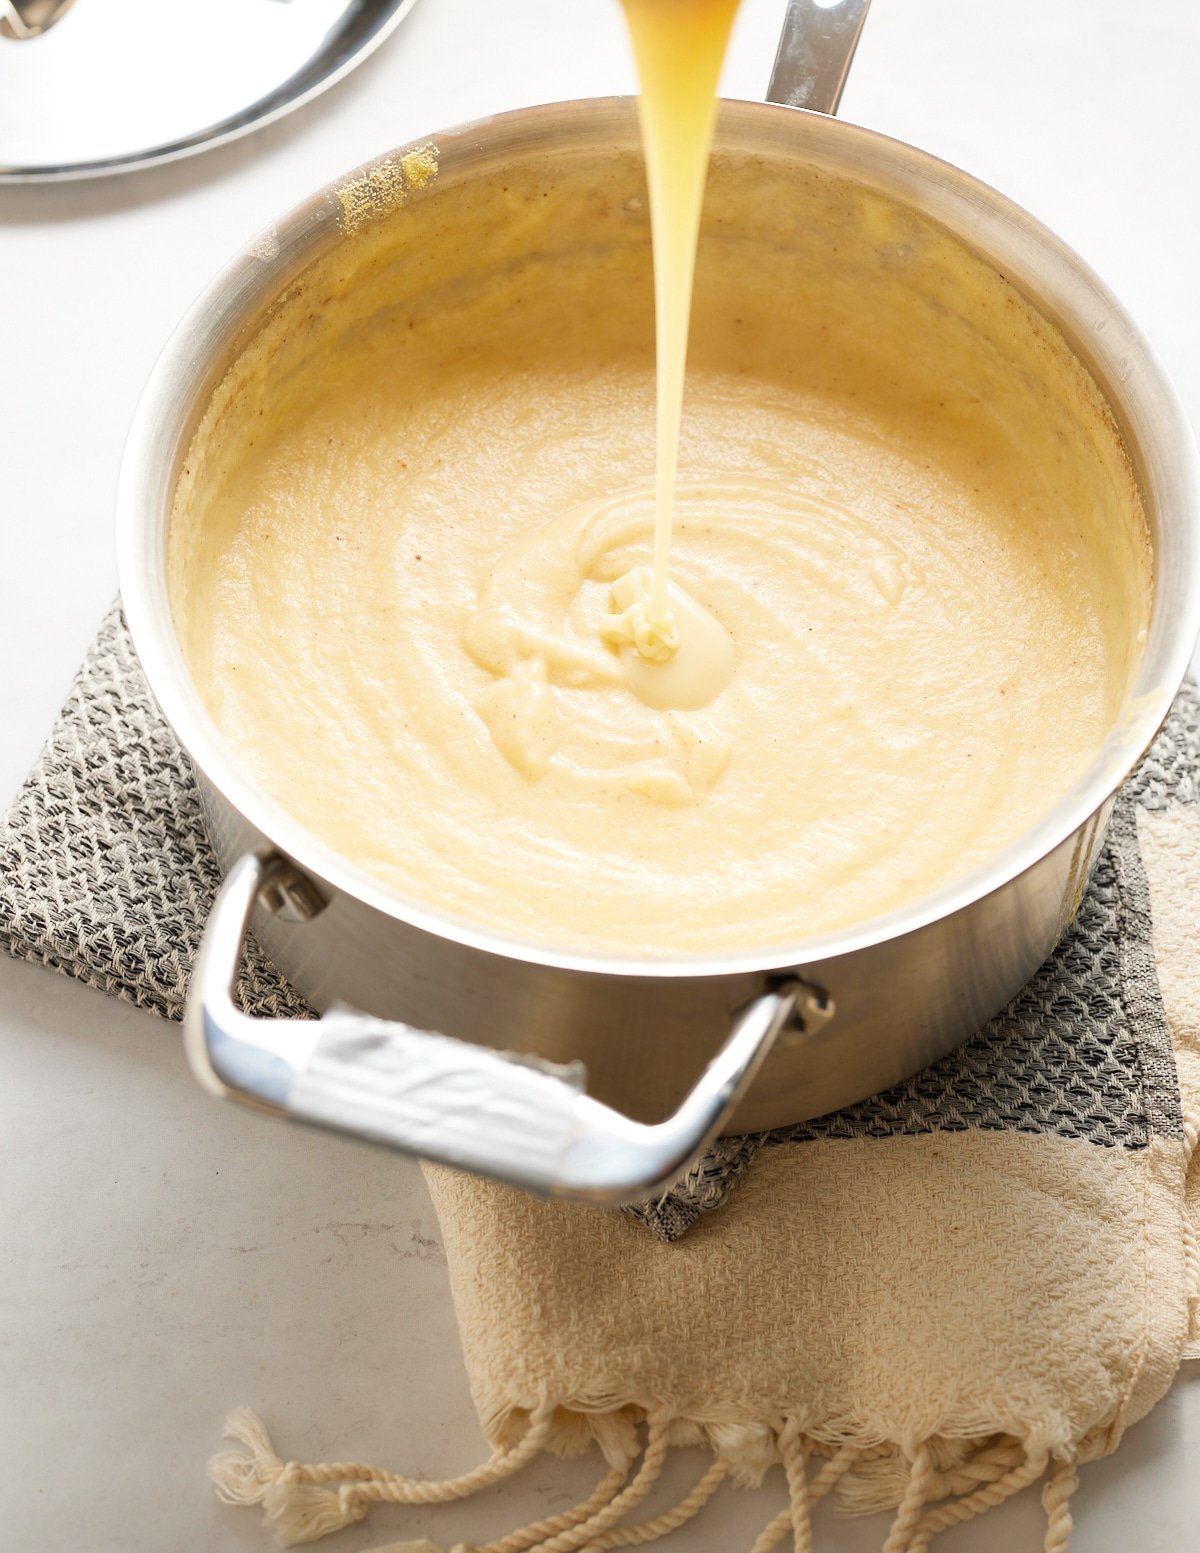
(673, 653)
(680, 47)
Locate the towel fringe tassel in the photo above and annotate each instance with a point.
(1056, 1501)
(529, 1536)
(941, 1484)
(953, 1512)
(921, 1480)
(1191, 1246)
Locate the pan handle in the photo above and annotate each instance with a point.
(815, 50)
(518, 1119)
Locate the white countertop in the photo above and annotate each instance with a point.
(162, 1257)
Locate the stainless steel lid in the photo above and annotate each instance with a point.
(90, 87)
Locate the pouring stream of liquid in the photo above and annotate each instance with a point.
(679, 46)
(670, 651)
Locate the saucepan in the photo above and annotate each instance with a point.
(584, 1074)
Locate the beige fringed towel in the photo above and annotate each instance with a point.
(967, 1285)
(927, 1319)
(929, 1323)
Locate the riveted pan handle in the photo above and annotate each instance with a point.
(816, 48)
(515, 1118)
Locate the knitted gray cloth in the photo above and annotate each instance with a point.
(106, 875)
(105, 870)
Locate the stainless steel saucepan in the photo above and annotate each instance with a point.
(582, 1074)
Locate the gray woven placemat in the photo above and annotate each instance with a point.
(106, 875)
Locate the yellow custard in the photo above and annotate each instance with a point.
(901, 500)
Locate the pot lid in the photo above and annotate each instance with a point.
(100, 86)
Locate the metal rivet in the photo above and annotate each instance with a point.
(292, 895)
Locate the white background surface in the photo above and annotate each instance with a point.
(162, 1257)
